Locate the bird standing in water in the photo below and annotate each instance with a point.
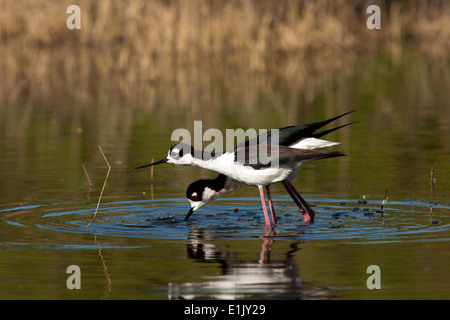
(295, 145)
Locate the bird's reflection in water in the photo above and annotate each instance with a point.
(244, 278)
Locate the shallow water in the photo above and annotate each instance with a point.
(139, 247)
(144, 249)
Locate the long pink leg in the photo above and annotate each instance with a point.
(305, 214)
(272, 210)
(303, 201)
(263, 203)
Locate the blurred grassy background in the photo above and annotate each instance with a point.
(127, 50)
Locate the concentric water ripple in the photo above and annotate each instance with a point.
(241, 218)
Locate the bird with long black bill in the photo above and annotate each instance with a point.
(296, 144)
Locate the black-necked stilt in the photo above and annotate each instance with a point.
(302, 142)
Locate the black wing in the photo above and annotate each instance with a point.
(260, 157)
(291, 134)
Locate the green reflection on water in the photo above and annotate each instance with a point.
(403, 118)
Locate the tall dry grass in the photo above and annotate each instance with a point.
(133, 36)
(195, 28)
(129, 53)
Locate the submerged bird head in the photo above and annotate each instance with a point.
(199, 193)
(204, 191)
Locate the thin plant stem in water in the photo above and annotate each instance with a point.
(383, 203)
(432, 178)
(87, 175)
(104, 185)
(89, 180)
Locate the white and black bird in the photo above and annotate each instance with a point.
(244, 166)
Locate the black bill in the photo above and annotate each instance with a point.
(152, 164)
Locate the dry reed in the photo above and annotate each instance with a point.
(383, 203)
(132, 45)
(87, 175)
(89, 180)
(103, 188)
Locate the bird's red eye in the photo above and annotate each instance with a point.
(194, 198)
